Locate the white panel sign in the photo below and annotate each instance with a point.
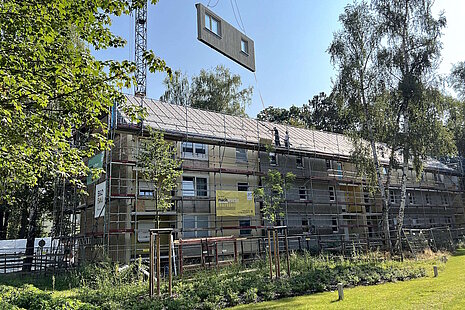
(143, 234)
(100, 194)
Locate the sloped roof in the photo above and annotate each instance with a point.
(193, 122)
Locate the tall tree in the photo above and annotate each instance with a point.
(457, 79)
(321, 113)
(353, 52)
(412, 47)
(53, 90)
(215, 90)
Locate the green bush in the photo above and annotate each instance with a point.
(102, 286)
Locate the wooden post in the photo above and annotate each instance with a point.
(242, 252)
(157, 236)
(276, 253)
(180, 257)
(340, 291)
(287, 252)
(170, 271)
(235, 251)
(435, 270)
(216, 254)
(269, 255)
(151, 271)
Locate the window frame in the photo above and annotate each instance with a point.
(275, 156)
(196, 153)
(301, 159)
(209, 27)
(305, 195)
(195, 233)
(242, 184)
(332, 192)
(243, 158)
(246, 51)
(195, 190)
(247, 231)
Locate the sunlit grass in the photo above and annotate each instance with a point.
(447, 291)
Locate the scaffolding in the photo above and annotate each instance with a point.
(328, 203)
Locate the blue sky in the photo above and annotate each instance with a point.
(291, 38)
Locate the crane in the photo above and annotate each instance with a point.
(140, 88)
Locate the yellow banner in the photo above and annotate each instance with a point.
(234, 203)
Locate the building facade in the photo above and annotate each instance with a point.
(226, 153)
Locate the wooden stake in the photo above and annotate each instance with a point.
(340, 291)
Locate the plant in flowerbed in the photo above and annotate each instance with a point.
(104, 287)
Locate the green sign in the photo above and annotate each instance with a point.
(95, 162)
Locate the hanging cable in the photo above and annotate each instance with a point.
(212, 6)
(243, 29)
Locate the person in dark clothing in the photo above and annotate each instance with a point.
(276, 137)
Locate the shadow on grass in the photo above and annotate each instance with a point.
(41, 281)
(459, 252)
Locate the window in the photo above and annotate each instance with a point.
(334, 225)
(188, 147)
(241, 155)
(436, 177)
(299, 162)
(195, 226)
(444, 199)
(201, 186)
(328, 164)
(146, 192)
(245, 223)
(242, 187)
(302, 193)
(273, 159)
(304, 222)
(332, 194)
(188, 186)
(194, 186)
(428, 198)
(212, 24)
(411, 198)
(194, 150)
(200, 148)
(392, 197)
(244, 46)
(339, 169)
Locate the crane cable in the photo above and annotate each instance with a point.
(242, 27)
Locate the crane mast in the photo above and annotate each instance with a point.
(140, 88)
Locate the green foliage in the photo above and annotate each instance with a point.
(53, 91)
(159, 165)
(272, 193)
(457, 79)
(215, 90)
(213, 289)
(322, 113)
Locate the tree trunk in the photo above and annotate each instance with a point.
(4, 223)
(378, 172)
(403, 191)
(22, 234)
(31, 234)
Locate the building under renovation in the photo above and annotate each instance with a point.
(224, 154)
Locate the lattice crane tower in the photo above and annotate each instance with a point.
(140, 88)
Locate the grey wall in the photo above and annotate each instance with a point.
(229, 43)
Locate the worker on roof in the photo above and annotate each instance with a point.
(286, 140)
(276, 137)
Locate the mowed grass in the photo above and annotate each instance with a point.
(447, 291)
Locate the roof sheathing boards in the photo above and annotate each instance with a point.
(182, 120)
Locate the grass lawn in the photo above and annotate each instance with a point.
(444, 292)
